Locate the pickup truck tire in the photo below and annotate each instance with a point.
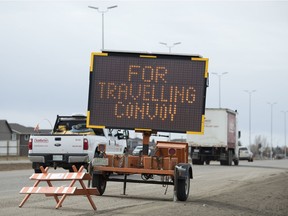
(99, 181)
(36, 167)
(37, 171)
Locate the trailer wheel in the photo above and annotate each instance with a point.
(99, 181)
(183, 187)
(207, 162)
(182, 183)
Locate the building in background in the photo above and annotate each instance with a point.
(14, 138)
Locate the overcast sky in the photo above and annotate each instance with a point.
(45, 49)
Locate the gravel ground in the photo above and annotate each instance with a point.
(265, 194)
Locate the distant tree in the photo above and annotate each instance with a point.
(260, 147)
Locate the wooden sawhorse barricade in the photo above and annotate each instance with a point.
(77, 175)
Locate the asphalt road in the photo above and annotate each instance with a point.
(258, 188)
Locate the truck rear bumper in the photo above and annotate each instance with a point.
(78, 159)
(66, 158)
(38, 159)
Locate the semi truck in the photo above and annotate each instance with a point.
(220, 139)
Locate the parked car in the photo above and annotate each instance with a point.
(138, 150)
(245, 154)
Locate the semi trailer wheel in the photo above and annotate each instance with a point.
(230, 157)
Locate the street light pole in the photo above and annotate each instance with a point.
(219, 78)
(102, 12)
(271, 104)
(250, 94)
(170, 46)
(285, 133)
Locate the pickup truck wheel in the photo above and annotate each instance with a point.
(37, 171)
(99, 181)
(183, 187)
(36, 167)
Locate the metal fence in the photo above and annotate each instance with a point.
(9, 148)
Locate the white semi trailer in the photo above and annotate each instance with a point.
(220, 139)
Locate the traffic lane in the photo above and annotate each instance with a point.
(214, 179)
(13, 181)
(208, 181)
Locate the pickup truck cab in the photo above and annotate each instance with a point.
(72, 143)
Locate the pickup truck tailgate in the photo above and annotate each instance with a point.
(58, 144)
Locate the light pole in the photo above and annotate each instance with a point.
(271, 104)
(219, 78)
(250, 94)
(103, 12)
(285, 133)
(170, 46)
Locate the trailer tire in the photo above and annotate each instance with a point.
(207, 162)
(183, 187)
(99, 181)
(183, 173)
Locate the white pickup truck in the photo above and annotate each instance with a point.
(71, 143)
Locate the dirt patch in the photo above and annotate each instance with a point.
(263, 197)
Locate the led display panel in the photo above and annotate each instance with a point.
(156, 92)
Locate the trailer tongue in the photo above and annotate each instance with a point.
(147, 93)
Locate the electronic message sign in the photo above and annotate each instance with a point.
(158, 92)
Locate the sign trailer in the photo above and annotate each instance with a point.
(147, 93)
